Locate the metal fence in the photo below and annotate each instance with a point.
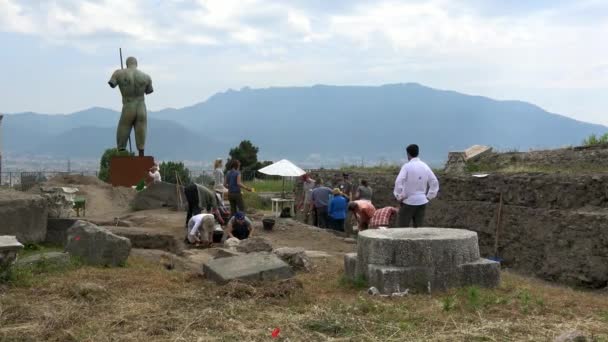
(25, 180)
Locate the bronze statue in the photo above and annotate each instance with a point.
(133, 85)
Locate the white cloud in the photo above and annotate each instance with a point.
(12, 18)
(462, 45)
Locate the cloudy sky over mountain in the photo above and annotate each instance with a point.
(58, 55)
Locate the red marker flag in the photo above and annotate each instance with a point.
(276, 332)
(77, 238)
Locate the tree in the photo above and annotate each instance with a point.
(168, 171)
(104, 163)
(246, 153)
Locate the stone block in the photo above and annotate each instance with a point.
(482, 272)
(295, 256)
(57, 230)
(254, 244)
(23, 215)
(250, 267)
(159, 195)
(9, 246)
(350, 265)
(96, 245)
(52, 259)
(391, 279)
(150, 238)
(226, 253)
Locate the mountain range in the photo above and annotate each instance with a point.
(316, 126)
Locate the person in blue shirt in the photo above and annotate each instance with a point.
(338, 206)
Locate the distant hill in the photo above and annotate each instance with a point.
(319, 125)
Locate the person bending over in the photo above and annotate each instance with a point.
(200, 229)
(364, 211)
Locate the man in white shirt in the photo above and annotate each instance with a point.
(415, 185)
(196, 235)
(154, 174)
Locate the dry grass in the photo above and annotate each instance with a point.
(145, 302)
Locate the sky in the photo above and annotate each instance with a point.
(57, 56)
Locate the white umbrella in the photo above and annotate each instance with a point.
(283, 168)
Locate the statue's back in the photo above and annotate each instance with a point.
(133, 83)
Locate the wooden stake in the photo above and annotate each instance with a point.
(497, 228)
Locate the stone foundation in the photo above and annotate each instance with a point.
(420, 259)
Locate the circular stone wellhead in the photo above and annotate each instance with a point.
(420, 259)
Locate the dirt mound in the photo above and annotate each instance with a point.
(60, 180)
(102, 200)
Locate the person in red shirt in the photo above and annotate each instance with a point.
(382, 217)
(364, 211)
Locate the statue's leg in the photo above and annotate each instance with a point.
(141, 125)
(124, 126)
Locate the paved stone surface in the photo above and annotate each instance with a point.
(254, 244)
(420, 259)
(250, 267)
(23, 215)
(295, 256)
(56, 259)
(96, 245)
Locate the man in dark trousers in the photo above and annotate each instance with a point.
(320, 201)
(199, 198)
(411, 187)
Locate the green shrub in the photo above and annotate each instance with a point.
(595, 140)
(169, 172)
(104, 163)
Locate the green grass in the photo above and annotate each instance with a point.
(271, 185)
(255, 201)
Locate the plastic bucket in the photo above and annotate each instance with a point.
(268, 223)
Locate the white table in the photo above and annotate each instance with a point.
(279, 203)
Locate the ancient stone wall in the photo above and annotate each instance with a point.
(554, 226)
(578, 158)
(23, 215)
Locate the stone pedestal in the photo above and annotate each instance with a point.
(9, 246)
(420, 259)
(128, 170)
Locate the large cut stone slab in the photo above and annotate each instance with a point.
(252, 267)
(9, 246)
(23, 215)
(96, 245)
(420, 259)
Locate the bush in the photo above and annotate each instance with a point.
(169, 172)
(104, 163)
(595, 140)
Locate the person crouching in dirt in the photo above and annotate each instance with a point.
(239, 226)
(200, 229)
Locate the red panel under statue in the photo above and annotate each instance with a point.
(128, 170)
